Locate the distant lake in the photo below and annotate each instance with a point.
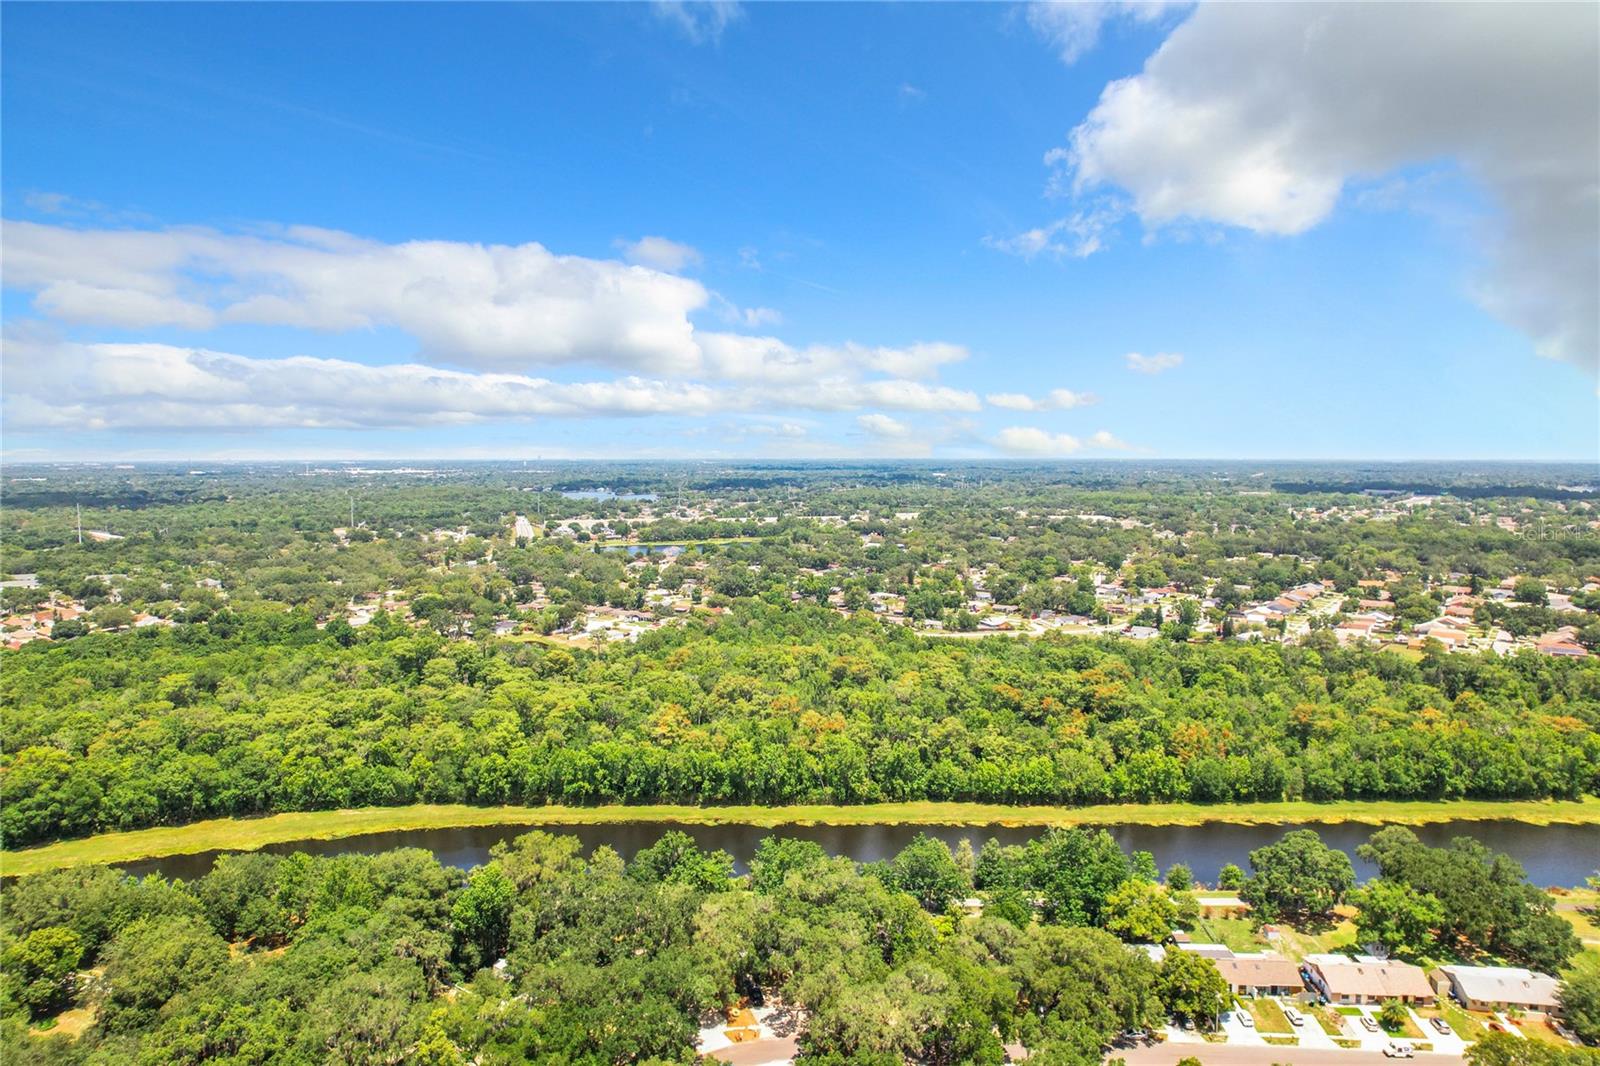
(607, 494)
(1552, 854)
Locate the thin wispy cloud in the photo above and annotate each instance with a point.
(1054, 400)
(1076, 236)
(1152, 364)
(1073, 27)
(659, 253)
(701, 21)
(882, 425)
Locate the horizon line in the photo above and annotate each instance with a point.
(926, 460)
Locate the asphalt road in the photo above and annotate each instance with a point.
(1241, 1055)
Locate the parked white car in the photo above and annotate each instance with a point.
(1396, 1050)
(1294, 1016)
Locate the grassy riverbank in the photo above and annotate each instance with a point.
(247, 834)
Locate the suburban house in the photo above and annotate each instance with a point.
(1560, 644)
(1494, 988)
(1261, 975)
(1366, 979)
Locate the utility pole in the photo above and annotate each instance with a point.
(80, 525)
(352, 508)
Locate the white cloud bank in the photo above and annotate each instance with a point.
(500, 332)
(1259, 116)
(56, 384)
(499, 308)
(53, 384)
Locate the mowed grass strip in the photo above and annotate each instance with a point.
(1269, 1016)
(248, 834)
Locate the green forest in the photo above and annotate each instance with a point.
(258, 711)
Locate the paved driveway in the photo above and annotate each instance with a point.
(1240, 1055)
(776, 1049)
(1239, 1033)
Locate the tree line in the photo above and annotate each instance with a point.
(261, 711)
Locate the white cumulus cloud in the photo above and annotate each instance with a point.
(486, 307)
(1028, 440)
(1106, 441)
(490, 306)
(1260, 116)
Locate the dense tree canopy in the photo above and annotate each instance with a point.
(1482, 901)
(268, 714)
(1298, 877)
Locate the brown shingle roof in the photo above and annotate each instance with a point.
(1385, 980)
(1259, 973)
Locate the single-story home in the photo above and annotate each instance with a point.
(1366, 979)
(1261, 975)
(1501, 988)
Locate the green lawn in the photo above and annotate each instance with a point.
(71, 1023)
(1298, 944)
(1581, 908)
(1330, 1020)
(1467, 1026)
(1587, 961)
(1268, 1015)
(1407, 1028)
(247, 834)
(1539, 1029)
(1237, 933)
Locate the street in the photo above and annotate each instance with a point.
(1237, 1055)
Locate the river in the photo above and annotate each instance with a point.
(1552, 854)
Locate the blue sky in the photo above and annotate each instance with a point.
(628, 230)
